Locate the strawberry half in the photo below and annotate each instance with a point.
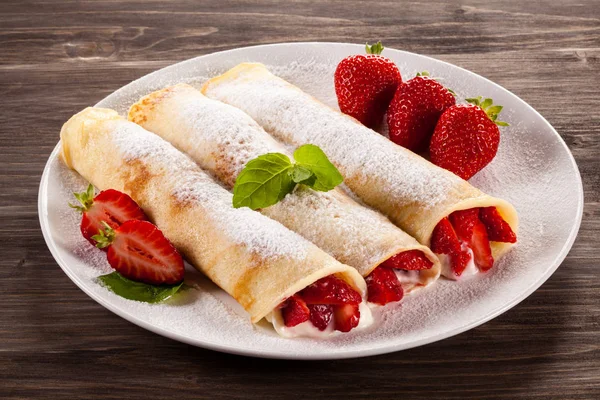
(498, 229)
(320, 315)
(110, 206)
(444, 240)
(294, 311)
(138, 250)
(346, 317)
(472, 231)
(330, 290)
(383, 286)
(408, 260)
(415, 110)
(466, 137)
(365, 85)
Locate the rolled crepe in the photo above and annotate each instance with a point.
(411, 191)
(256, 260)
(222, 139)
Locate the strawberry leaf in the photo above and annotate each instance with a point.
(104, 237)
(376, 48)
(326, 174)
(138, 291)
(86, 199)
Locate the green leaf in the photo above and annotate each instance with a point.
(377, 48)
(326, 174)
(105, 236)
(474, 100)
(86, 199)
(263, 182)
(486, 103)
(424, 73)
(502, 123)
(138, 291)
(300, 174)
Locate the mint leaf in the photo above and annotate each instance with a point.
(326, 174)
(139, 291)
(263, 182)
(300, 174)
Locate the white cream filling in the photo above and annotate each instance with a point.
(307, 329)
(470, 270)
(412, 277)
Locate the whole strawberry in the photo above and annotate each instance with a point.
(415, 110)
(365, 85)
(466, 137)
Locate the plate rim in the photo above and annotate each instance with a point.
(344, 354)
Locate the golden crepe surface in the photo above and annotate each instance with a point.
(253, 258)
(411, 191)
(222, 139)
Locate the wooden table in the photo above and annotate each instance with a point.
(58, 57)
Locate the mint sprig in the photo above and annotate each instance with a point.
(267, 179)
(138, 291)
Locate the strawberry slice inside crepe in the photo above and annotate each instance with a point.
(465, 235)
(328, 300)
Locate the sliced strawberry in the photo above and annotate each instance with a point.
(138, 250)
(294, 311)
(480, 245)
(320, 315)
(110, 206)
(471, 231)
(460, 261)
(408, 260)
(330, 290)
(346, 317)
(445, 241)
(497, 228)
(383, 286)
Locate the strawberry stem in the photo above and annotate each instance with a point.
(86, 199)
(105, 237)
(427, 75)
(487, 105)
(376, 48)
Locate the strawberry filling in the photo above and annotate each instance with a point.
(328, 299)
(383, 283)
(467, 232)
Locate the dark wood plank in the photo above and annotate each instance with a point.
(58, 57)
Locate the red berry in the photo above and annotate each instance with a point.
(110, 206)
(138, 250)
(472, 231)
(346, 317)
(320, 315)
(498, 229)
(365, 85)
(408, 260)
(415, 110)
(294, 311)
(383, 286)
(444, 240)
(330, 290)
(466, 138)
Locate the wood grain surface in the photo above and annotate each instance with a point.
(58, 57)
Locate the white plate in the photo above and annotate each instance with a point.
(533, 169)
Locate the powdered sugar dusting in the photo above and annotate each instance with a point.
(358, 152)
(243, 226)
(531, 164)
(224, 145)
